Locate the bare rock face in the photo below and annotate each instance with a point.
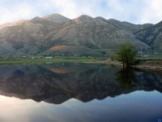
(98, 36)
(152, 36)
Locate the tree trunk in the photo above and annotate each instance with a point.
(123, 64)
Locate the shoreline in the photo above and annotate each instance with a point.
(153, 65)
(148, 67)
(51, 60)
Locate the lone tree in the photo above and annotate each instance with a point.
(126, 54)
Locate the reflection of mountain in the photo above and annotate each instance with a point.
(57, 83)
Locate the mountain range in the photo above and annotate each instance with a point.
(83, 36)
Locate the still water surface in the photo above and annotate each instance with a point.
(78, 93)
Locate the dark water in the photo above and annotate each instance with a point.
(78, 93)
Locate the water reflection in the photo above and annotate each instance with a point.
(78, 93)
(57, 83)
(126, 77)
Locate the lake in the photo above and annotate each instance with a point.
(73, 92)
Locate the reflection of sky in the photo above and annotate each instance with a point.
(141, 106)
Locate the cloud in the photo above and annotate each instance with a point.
(16, 11)
(69, 9)
(152, 12)
(135, 11)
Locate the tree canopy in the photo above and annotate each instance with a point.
(126, 53)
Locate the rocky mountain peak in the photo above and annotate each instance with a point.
(56, 18)
(37, 19)
(84, 19)
(101, 19)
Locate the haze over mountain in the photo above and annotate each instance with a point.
(83, 36)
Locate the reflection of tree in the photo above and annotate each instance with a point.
(126, 77)
(56, 83)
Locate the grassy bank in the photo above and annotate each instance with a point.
(52, 60)
(150, 64)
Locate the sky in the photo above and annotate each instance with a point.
(134, 11)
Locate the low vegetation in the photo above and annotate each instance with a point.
(126, 54)
(51, 60)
